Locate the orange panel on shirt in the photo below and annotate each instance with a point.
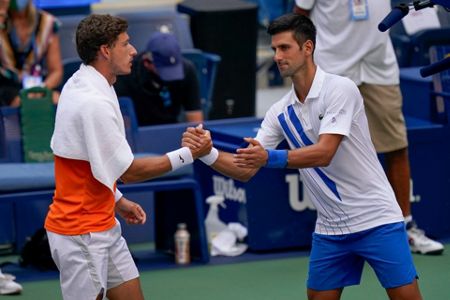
(81, 204)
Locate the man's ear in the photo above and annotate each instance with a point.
(309, 47)
(105, 51)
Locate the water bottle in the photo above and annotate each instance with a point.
(182, 245)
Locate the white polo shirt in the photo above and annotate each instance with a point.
(353, 48)
(351, 194)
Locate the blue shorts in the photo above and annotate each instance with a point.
(337, 261)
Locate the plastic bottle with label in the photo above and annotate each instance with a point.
(182, 245)
(213, 224)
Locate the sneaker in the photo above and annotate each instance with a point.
(8, 286)
(420, 243)
(9, 276)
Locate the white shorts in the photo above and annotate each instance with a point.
(91, 263)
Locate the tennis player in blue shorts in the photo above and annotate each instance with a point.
(322, 117)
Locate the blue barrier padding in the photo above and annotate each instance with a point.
(15, 177)
(26, 176)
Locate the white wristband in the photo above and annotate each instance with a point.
(211, 157)
(180, 158)
(117, 195)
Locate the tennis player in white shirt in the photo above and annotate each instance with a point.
(322, 117)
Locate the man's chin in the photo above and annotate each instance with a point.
(127, 72)
(284, 74)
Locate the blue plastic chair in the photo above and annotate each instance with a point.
(206, 65)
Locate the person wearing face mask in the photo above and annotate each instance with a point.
(162, 83)
(29, 50)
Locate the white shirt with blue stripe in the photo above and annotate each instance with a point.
(352, 193)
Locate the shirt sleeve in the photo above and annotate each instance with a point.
(118, 195)
(270, 135)
(343, 102)
(305, 4)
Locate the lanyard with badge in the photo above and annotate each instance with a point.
(33, 76)
(359, 10)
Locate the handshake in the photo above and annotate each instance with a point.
(199, 142)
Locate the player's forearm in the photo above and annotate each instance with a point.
(146, 168)
(319, 154)
(225, 165)
(309, 157)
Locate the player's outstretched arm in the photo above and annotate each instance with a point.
(153, 166)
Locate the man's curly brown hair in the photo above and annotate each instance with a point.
(97, 30)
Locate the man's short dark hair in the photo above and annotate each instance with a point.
(97, 30)
(302, 27)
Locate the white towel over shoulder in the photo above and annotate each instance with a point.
(89, 126)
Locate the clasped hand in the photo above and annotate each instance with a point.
(254, 156)
(198, 140)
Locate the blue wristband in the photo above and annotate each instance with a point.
(277, 159)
